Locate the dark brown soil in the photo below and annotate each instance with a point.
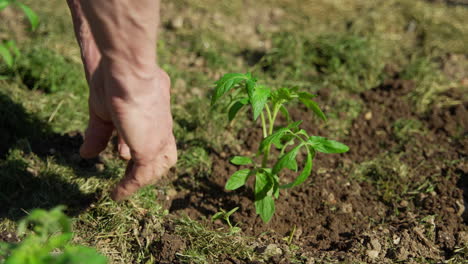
(338, 215)
(8, 237)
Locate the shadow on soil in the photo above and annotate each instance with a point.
(208, 191)
(22, 185)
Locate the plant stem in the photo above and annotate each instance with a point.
(262, 116)
(271, 119)
(276, 109)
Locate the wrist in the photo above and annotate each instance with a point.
(137, 84)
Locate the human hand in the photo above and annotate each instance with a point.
(128, 92)
(143, 121)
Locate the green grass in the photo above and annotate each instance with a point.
(346, 62)
(206, 245)
(342, 46)
(404, 129)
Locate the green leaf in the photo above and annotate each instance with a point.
(276, 186)
(304, 174)
(250, 86)
(295, 126)
(258, 98)
(11, 45)
(241, 160)
(234, 109)
(4, 4)
(265, 207)
(283, 95)
(237, 179)
(272, 138)
(80, 255)
(263, 184)
(305, 95)
(285, 112)
(314, 107)
(226, 83)
(288, 160)
(31, 15)
(325, 145)
(286, 140)
(264, 203)
(5, 54)
(218, 215)
(277, 135)
(60, 240)
(302, 132)
(228, 214)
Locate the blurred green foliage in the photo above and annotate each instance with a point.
(47, 240)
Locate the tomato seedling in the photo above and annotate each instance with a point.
(268, 103)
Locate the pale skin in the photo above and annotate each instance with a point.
(129, 93)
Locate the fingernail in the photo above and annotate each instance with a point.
(124, 152)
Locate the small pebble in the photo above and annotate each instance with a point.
(100, 167)
(368, 116)
(404, 203)
(372, 254)
(32, 171)
(177, 22)
(347, 208)
(171, 193)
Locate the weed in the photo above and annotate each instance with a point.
(222, 214)
(290, 139)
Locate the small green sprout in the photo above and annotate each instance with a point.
(268, 103)
(225, 216)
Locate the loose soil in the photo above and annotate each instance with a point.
(336, 214)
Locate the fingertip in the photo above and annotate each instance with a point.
(124, 189)
(96, 138)
(86, 153)
(124, 150)
(131, 182)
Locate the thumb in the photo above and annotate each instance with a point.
(97, 136)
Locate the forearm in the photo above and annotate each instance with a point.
(89, 52)
(125, 33)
